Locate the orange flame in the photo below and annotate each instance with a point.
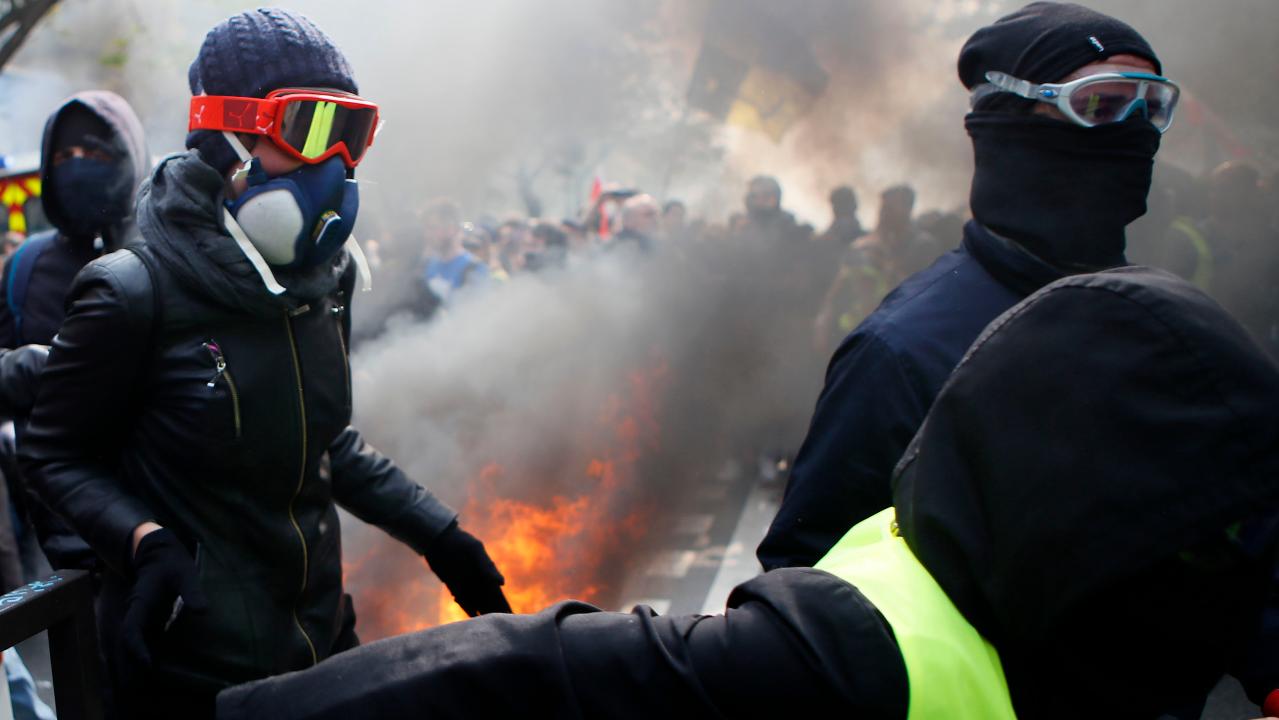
(570, 545)
(556, 550)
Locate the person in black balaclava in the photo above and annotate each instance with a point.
(1049, 198)
(1053, 188)
(1102, 558)
(194, 418)
(93, 157)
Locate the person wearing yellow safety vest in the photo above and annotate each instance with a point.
(1085, 526)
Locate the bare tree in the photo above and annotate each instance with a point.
(17, 18)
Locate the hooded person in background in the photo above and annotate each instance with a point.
(193, 423)
(93, 157)
(1113, 575)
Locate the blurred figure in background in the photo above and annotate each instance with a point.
(765, 221)
(675, 228)
(639, 225)
(450, 267)
(844, 226)
(871, 265)
(551, 246)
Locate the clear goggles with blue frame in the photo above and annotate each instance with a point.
(1096, 99)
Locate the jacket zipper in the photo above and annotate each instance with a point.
(221, 370)
(297, 368)
(346, 359)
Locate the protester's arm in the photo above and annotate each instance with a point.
(866, 415)
(374, 489)
(792, 644)
(20, 370)
(71, 444)
(369, 485)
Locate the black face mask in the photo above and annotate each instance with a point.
(93, 194)
(1062, 191)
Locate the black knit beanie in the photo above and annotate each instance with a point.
(255, 52)
(1046, 41)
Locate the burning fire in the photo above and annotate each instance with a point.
(572, 544)
(557, 549)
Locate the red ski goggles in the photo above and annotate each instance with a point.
(310, 125)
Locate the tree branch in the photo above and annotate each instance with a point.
(25, 15)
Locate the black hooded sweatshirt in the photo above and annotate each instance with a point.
(51, 276)
(64, 252)
(1070, 490)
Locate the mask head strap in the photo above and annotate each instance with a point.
(255, 258)
(361, 263)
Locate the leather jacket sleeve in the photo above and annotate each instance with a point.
(20, 370)
(71, 446)
(374, 489)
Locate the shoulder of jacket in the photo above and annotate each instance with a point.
(129, 276)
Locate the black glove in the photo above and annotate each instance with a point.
(459, 559)
(20, 370)
(165, 584)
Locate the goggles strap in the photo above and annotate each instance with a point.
(255, 258)
(246, 159)
(361, 263)
(1023, 88)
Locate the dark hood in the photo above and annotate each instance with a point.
(127, 138)
(180, 217)
(1072, 487)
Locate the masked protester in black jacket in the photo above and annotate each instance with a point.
(1092, 498)
(194, 418)
(93, 157)
(1049, 198)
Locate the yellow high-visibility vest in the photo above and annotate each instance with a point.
(954, 672)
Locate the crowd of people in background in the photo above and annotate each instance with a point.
(1219, 231)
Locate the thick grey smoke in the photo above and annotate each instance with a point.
(692, 356)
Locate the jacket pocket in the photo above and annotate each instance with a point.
(222, 379)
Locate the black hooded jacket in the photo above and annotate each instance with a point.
(1071, 491)
(180, 391)
(44, 305)
(1076, 483)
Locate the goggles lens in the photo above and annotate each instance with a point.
(1115, 99)
(312, 127)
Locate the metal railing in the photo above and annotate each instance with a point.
(62, 603)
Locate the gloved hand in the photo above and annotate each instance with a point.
(165, 584)
(460, 561)
(20, 370)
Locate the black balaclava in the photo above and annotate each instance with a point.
(93, 194)
(1062, 191)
